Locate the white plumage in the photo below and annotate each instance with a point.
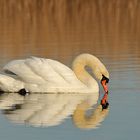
(46, 75)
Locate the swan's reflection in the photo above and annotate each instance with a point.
(51, 109)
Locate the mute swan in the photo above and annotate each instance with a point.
(45, 75)
(38, 109)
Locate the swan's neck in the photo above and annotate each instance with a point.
(79, 65)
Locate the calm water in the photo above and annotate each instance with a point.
(61, 30)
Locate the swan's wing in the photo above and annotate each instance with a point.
(52, 71)
(44, 69)
(63, 71)
(23, 71)
(40, 70)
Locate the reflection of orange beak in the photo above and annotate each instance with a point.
(103, 82)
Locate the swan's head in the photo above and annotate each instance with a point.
(102, 74)
(104, 82)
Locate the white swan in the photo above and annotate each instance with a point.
(46, 75)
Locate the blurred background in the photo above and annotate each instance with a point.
(62, 29)
(65, 28)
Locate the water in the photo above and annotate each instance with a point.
(61, 30)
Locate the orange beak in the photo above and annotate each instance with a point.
(103, 82)
(104, 101)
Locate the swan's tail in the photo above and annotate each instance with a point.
(9, 84)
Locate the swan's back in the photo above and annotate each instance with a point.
(42, 71)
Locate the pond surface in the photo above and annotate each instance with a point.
(61, 30)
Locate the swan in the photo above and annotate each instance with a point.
(46, 75)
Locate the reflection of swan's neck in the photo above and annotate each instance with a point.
(87, 122)
(79, 65)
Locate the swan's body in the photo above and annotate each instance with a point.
(46, 75)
